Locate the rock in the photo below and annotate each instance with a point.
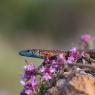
(53, 91)
(84, 83)
(77, 85)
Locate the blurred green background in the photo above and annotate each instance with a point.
(51, 24)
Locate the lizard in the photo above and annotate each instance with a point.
(45, 53)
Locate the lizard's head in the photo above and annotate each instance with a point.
(30, 53)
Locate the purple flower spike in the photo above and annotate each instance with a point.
(30, 86)
(30, 70)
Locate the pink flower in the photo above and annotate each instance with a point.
(82, 54)
(42, 69)
(52, 70)
(86, 38)
(70, 59)
(22, 83)
(29, 86)
(74, 54)
(28, 92)
(29, 70)
(34, 81)
(53, 62)
(30, 67)
(61, 58)
(46, 77)
(73, 50)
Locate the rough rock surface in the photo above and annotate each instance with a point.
(84, 83)
(76, 85)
